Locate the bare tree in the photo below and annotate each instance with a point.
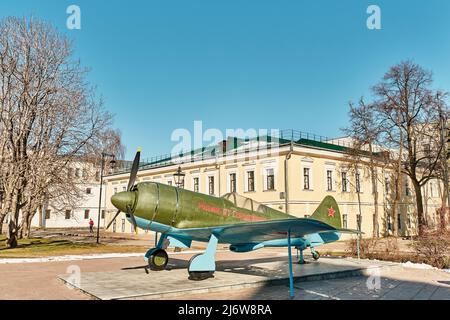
(441, 127)
(364, 133)
(405, 107)
(49, 117)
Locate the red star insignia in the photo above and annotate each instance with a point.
(331, 212)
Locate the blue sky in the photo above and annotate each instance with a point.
(160, 65)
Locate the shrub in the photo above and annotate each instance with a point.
(366, 247)
(433, 248)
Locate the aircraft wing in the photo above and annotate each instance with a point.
(257, 232)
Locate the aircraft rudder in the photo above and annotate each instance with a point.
(328, 212)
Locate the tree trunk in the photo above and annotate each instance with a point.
(443, 210)
(2, 218)
(395, 207)
(13, 225)
(26, 229)
(419, 207)
(376, 227)
(374, 177)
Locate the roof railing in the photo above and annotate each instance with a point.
(204, 153)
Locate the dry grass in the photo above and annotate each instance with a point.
(432, 249)
(45, 247)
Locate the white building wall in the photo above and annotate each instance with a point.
(89, 202)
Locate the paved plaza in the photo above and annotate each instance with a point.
(255, 275)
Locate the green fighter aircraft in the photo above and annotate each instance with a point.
(182, 216)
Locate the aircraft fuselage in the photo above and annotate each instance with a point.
(181, 208)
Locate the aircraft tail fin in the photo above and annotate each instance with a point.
(328, 212)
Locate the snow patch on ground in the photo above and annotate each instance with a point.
(81, 257)
(69, 258)
(409, 264)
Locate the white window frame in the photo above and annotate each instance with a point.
(333, 178)
(311, 177)
(361, 179)
(265, 169)
(193, 184)
(207, 184)
(348, 184)
(229, 173)
(246, 179)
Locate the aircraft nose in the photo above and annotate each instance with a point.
(123, 199)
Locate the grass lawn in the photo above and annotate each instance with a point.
(45, 247)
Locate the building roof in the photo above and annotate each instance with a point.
(235, 145)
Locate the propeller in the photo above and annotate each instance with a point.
(133, 174)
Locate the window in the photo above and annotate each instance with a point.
(306, 185)
(232, 182)
(169, 182)
(97, 175)
(124, 188)
(114, 226)
(388, 222)
(88, 190)
(407, 189)
(344, 181)
(399, 221)
(409, 221)
(47, 214)
(344, 221)
(329, 180)
(251, 180)
(123, 225)
(270, 179)
(386, 184)
(306, 215)
(78, 173)
(115, 190)
(70, 173)
(68, 214)
(196, 186)
(211, 185)
(358, 222)
(357, 182)
(86, 214)
(103, 214)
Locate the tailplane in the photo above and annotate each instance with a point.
(328, 212)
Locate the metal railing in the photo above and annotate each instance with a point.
(276, 138)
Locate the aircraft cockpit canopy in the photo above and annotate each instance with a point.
(247, 203)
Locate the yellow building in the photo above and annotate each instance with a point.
(292, 173)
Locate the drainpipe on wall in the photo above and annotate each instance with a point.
(218, 170)
(286, 180)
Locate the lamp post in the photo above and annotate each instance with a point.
(179, 178)
(112, 163)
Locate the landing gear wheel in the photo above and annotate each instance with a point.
(315, 255)
(158, 260)
(199, 275)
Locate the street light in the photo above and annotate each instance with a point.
(112, 163)
(179, 178)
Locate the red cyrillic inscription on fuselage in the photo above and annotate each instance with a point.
(225, 212)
